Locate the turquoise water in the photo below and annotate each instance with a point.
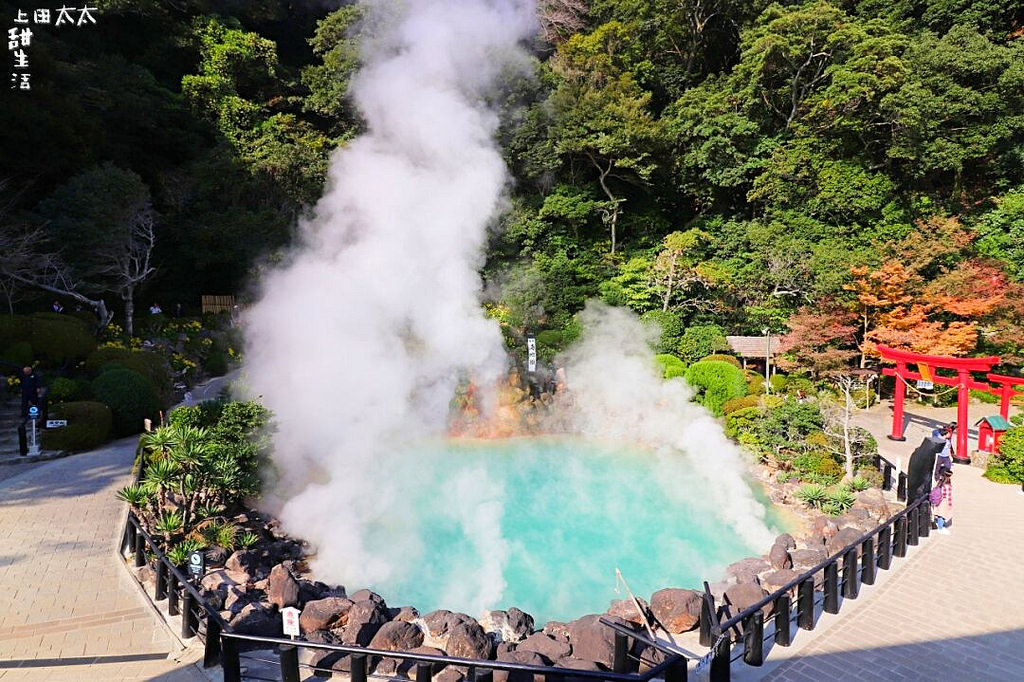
(543, 525)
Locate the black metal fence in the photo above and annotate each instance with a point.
(841, 576)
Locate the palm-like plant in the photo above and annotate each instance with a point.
(135, 495)
(248, 539)
(169, 524)
(161, 476)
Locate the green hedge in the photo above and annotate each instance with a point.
(671, 366)
(19, 354)
(730, 406)
(150, 365)
(130, 396)
(716, 382)
(58, 339)
(63, 390)
(722, 357)
(88, 426)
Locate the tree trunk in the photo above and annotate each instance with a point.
(611, 216)
(847, 409)
(668, 287)
(129, 312)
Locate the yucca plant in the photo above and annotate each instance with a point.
(812, 494)
(135, 495)
(168, 525)
(179, 553)
(248, 539)
(841, 498)
(219, 533)
(858, 484)
(161, 476)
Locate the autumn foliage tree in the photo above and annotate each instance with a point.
(821, 338)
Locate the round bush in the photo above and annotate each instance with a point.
(721, 357)
(63, 390)
(730, 406)
(88, 426)
(778, 383)
(671, 366)
(130, 396)
(14, 328)
(716, 383)
(700, 341)
(671, 327)
(19, 354)
(150, 365)
(60, 339)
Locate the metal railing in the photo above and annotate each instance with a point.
(860, 561)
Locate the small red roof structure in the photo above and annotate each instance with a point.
(753, 346)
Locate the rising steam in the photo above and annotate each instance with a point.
(360, 340)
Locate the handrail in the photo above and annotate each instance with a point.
(738, 618)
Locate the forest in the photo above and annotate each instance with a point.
(840, 173)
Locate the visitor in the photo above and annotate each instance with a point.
(57, 307)
(30, 385)
(155, 309)
(941, 499)
(944, 459)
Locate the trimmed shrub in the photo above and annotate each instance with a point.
(722, 357)
(217, 364)
(730, 406)
(671, 366)
(19, 354)
(60, 339)
(88, 426)
(1011, 452)
(63, 390)
(755, 382)
(150, 365)
(130, 396)
(700, 341)
(778, 383)
(818, 465)
(743, 421)
(716, 382)
(13, 329)
(671, 326)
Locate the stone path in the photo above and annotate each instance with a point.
(68, 609)
(953, 610)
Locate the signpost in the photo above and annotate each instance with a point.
(55, 423)
(33, 415)
(197, 565)
(290, 619)
(531, 348)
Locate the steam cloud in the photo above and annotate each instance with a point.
(359, 341)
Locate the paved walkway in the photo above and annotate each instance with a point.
(68, 609)
(953, 610)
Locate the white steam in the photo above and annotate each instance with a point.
(359, 342)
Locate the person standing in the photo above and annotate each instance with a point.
(944, 459)
(30, 384)
(941, 499)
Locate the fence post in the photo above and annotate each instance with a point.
(721, 662)
(289, 655)
(212, 651)
(900, 546)
(912, 524)
(867, 561)
(172, 595)
(832, 587)
(140, 550)
(901, 489)
(885, 548)
(887, 477)
(186, 615)
(924, 525)
(707, 616)
(358, 673)
(424, 671)
(619, 654)
(753, 638)
(851, 579)
(782, 608)
(677, 671)
(160, 591)
(805, 604)
(128, 541)
(485, 676)
(230, 662)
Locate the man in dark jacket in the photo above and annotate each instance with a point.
(921, 467)
(30, 385)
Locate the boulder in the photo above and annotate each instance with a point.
(397, 635)
(257, 619)
(216, 556)
(310, 591)
(324, 614)
(407, 668)
(525, 657)
(441, 622)
(747, 570)
(577, 664)
(545, 645)
(787, 540)
(282, 588)
(503, 648)
(363, 595)
(842, 538)
(626, 609)
(556, 629)
(779, 558)
(592, 640)
(744, 595)
(451, 674)
(406, 613)
(804, 559)
(824, 526)
(243, 561)
(236, 598)
(508, 626)
(648, 656)
(468, 640)
(677, 610)
(777, 579)
(365, 618)
(221, 579)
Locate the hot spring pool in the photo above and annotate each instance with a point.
(542, 524)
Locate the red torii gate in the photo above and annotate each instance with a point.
(1006, 389)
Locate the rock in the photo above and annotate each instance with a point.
(397, 635)
(236, 598)
(407, 668)
(747, 570)
(556, 629)
(221, 579)
(451, 674)
(842, 538)
(804, 559)
(364, 620)
(441, 622)
(243, 561)
(508, 626)
(592, 640)
(468, 640)
(648, 656)
(786, 540)
(405, 613)
(503, 648)
(282, 588)
(146, 575)
(257, 619)
(677, 610)
(577, 664)
(324, 614)
(310, 591)
(777, 579)
(744, 595)
(362, 595)
(526, 657)
(216, 556)
(627, 611)
(779, 558)
(824, 526)
(547, 646)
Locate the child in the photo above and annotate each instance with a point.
(941, 499)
